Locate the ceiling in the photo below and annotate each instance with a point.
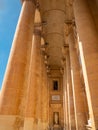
(54, 14)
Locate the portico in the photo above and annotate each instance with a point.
(51, 78)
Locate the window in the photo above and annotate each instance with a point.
(55, 85)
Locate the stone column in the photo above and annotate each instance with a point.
(31, 119)
(45, 95)
(64, 103)
(80, 115)
(88, 47)
(68, 85)
(40, 114)
(72, 125)
(13, 83)
(65, 99)
(39, 97)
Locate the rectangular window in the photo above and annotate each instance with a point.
(55, 85)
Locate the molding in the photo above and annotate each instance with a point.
(45, 34)
(54, 10)
(37, 24)
(70, 22)
(37, 31)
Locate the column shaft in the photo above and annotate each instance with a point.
(67, 89)
(64, 97)
(44, 97)
(88, 47)
(80, 115)
(39, 95)
(15, 74)
(31, 120)
(70, 94)
(66, 100)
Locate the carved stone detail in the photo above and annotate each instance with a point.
(37, 31)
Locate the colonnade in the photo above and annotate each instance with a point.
(24, 96)
(81, 69)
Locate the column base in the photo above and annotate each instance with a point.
(10, 122)
(44, 126)
(81, 121)
(40, 127)
(30, 124)
(73, 125)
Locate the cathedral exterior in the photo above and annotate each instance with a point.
(51, 79)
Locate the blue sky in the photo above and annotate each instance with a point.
(9, 13)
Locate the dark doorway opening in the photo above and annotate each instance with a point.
(55, 85)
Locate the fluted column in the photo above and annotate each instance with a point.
(88, 46)
(31, 120)
(13, 83)
(72, 125)
(80, 115)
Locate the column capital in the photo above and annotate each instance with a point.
(69, 25)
